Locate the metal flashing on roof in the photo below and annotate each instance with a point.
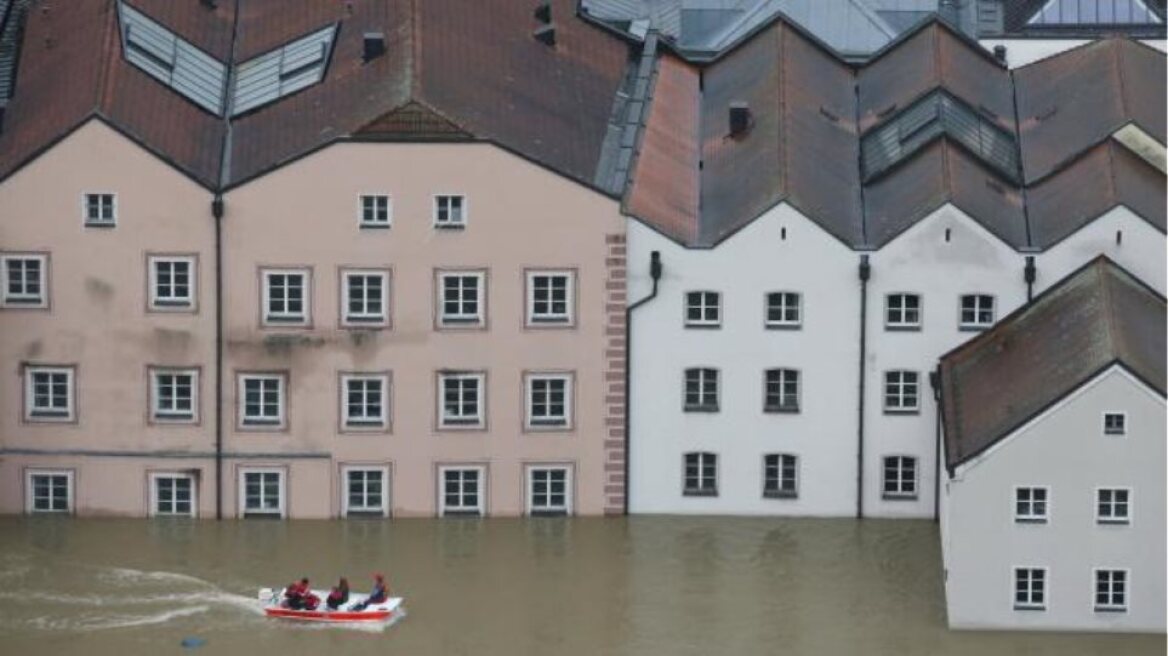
(283, 71)
(172, 60)
(937, 114)
(1062, 13)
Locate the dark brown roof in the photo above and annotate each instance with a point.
(1070, 102)
(1107, 176)
(1094, 318)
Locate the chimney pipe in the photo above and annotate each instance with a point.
(374, 46)
(546, 34)
(740, 119)
(543, 12)
(1000, 53)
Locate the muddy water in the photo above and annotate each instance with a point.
(563, 587)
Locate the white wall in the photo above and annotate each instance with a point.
(1141, 250)
(1066, 450)
(826, 350)
(921, 261)
(1020, 52)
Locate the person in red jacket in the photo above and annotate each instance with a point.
(299, 596)
(339, 595)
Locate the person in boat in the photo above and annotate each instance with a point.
(379, 594)
(299, 596)
(339, 595)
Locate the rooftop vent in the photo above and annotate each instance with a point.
(739, 118)
(209, 4)
(543, 12)
(546, 34)
(374, 45)
(1000, 53)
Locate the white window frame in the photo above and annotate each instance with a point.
(462, 319)
(780, 492)
(783, 373)
(173, 303)
(348, 422)
(551, 320)
(901, 394)
(31, 412)
(784, 308)
(262, 423)
(160, 415)
(1032, 517)
(531, 422)
(459, 422)
(285, 318)
(978, 310)
(899, 494)
(902, 322)
(1114, 520)
(447, 224)
(704, 307)
(348, 510)
(30, 499)
(374, 197)
(1108, 432)
(1110, 607)
(155, 477)
(479, 510)
(365, 319)
(23, 299)
(702, 404)
(1029, 604)
(563, 510)
(281, 509)
(101, 221)
(700, 490)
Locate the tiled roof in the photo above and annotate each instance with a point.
(1095, 318)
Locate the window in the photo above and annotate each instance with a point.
(365, 491)
(977, 311)
(782, 390)
(49, 492)
(172, 283)
(462, 400)
(701, 390)
(261, 402)
(23, 281)
(172, 494)
(1030, 504)
(460, 299)
(450, 212)
(1113, 505)
(365, 402)
(549, 298)
(902, 312)
(262, 492)
(900, 477)
(1114, 423)
(375, 211)
(784, 310)
(549, 397)
(100, 210)
(703, 309)
(780, 476)
(48, 393)
(365, 298)
(701, 475)
(1029, 588)
(901, 391)
(548, 491)
(1110, 590)
(174, 395)
(286, 297)
(462, 491)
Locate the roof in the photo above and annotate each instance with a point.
(1077, 18)
(1094, 318)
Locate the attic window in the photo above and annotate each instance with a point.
(172, 60)
(296, 65)
(1094, 12)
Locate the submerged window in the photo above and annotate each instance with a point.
(701, 475)
(548, 491)
(462, 491)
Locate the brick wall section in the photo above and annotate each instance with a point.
(616, 334)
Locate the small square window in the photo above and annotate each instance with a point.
(902, 312)
(549, 401)
(461, 490)
(1029, 588)
(781, 392)
(461, 400)
(172, 282)
(364, 298)
(376, 211)
(977, 312)
(901, 392)
(48, 491)
(1113, 505)
(48, 394)
(1111, 590)
(701, 389)
(780, 476)
(174, 395)
(101, 210)
(784, 310)
(173, 495)
(461, 299)
(261, 401)
(366, 491)
(450, 211)
(23, 281)
(1114, 423)
(286, 297)
(700, 475)
(703, 309)
(365, 401)
(1031, 504)
(549, 490)
(549, 298)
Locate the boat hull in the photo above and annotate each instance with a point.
(373, 613)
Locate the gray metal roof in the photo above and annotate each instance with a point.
(172, 60)
(1094, 12)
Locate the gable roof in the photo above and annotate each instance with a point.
(1094, 318)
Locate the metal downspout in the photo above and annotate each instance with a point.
(865, 274)
(655, 274)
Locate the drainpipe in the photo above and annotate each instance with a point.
(935, 383)
(655, 274)
(1030, 273)
(865, 274)
(217, 212)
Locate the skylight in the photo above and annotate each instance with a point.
(273, 75)
(172, 60)
(938, 113)
(1094, 12)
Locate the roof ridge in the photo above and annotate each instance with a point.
(1109, 309)
(104, 76)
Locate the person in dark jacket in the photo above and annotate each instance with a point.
(339, 595)
(379, 594)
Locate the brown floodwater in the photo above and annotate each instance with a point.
(643, 585)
